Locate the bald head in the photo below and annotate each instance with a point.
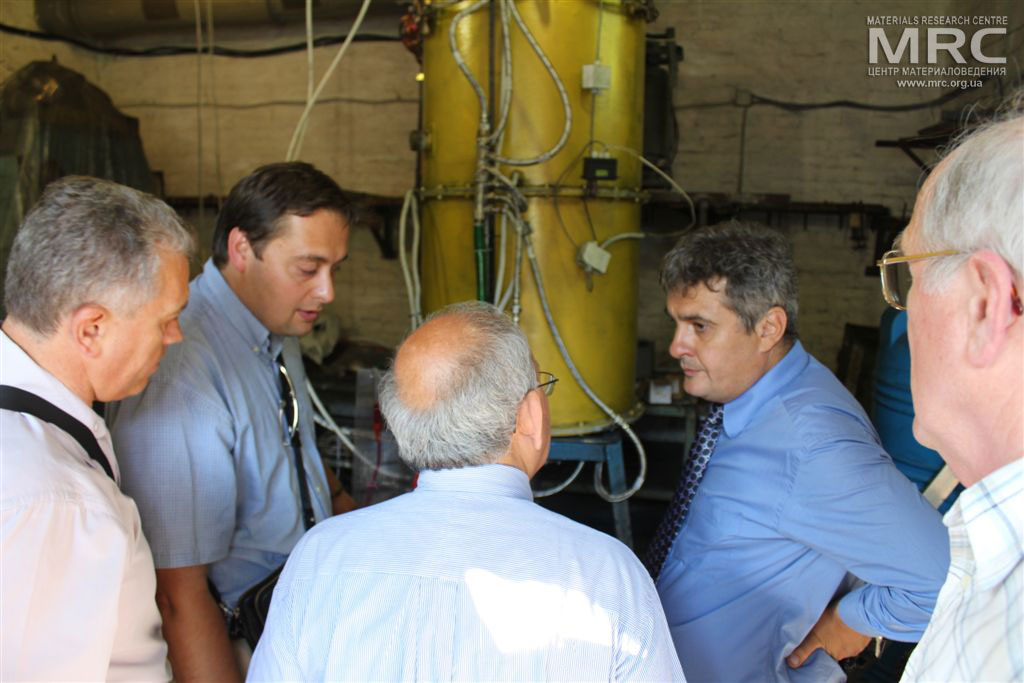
(451, 398)
(429, 359)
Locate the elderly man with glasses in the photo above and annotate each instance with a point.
(465, 578)
(964, 248)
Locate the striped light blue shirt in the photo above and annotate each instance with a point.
(976, 632)
(465, 578)
(203, 449)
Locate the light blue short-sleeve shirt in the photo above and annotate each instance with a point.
(203, 449)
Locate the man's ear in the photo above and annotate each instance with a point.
(240, 250)
(530, 420)
(89, 325)
(771, 328)
(989, 306)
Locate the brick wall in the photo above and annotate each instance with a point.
(801, 52)
(793, 51)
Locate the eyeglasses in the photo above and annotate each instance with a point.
(547, 383)
(289, 410)
(895, 269)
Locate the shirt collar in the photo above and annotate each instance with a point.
(742, 409)
(18, 369)
(992, 515)
(500, 480)
(258, 338)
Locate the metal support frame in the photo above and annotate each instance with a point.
(600, 448)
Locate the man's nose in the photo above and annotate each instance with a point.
(679, 347)
(325, 287)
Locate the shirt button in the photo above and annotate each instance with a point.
(965, 582)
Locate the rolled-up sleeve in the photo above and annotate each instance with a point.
(851, 504)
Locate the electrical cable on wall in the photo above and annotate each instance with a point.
(173, 50)
(295, 146)
(410, 206)
(310, 53)
(214, 105)
(323, 418)
(271, 103)
(199, 109)
(667, 177)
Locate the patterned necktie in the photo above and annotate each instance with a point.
(672, 522)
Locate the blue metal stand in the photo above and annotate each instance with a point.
(606, 448)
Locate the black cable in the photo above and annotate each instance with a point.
(557, 187)
(168, 51)
(743, 152)
(269, 103)
(590, 222)
(849, 104)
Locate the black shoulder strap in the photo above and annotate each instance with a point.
(21, 401)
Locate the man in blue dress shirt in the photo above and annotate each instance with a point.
(803, 539)
(465, 578)
(205, 451)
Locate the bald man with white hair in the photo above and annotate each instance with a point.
(964, 248)
(465, 578)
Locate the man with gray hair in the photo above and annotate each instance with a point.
(964, 247)
(788, 495)
(97, 276)
(465, 578)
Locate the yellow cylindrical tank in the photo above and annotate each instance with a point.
(595, 313)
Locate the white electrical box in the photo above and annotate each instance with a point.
(594, 256)
(597, 77)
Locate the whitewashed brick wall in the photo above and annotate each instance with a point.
(794, 51)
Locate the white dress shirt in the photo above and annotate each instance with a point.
(975, 633)
(464, 579)
(77, 585)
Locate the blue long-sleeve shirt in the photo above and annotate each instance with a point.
(797, 495)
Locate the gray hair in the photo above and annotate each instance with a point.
(976, 200)
(85, 241)
(756, 263)
(473, 415)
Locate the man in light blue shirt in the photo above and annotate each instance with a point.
(205, 450)
(803, 539)
(465, 578)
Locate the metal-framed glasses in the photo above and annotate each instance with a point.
(895, 269)
(289, 409)
(547, 382)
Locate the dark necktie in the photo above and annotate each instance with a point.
(700, 452)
